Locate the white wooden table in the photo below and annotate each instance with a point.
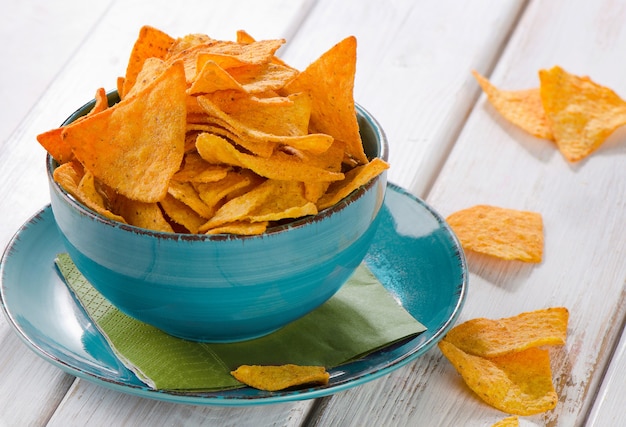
(447, 146)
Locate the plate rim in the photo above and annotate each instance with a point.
(213, 398)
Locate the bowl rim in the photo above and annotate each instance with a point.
(113, 98)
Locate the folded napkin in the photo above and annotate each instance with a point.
(359, 319)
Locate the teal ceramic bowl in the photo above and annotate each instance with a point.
(223, 288)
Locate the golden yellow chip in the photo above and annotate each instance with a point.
(274, 378)
(512, 421)
(355, 178)
(263, 78)
(118, 145)
(243, 228)
(214, 193)
(518, 383)
(181, 214)
(313, 142)
(152, 69)
(53, 141)
(144, 215)
(330, 81)
(81, 185)
(284, 116)
(279, 166)
(520, 107)
(211, 77)
(504, 233)
(286, 200)
(186, 193)
(151, 43)
(68, 175)
(581, 113)
(205, 130)
(492, 338)
(195, 169)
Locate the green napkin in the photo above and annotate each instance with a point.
(360, 318)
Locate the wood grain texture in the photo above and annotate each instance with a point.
(447, 144)
(583, 206)
(94, 405)
(411, 68)
(608, 409)
(36, 387)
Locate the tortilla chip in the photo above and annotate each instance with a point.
(132, 164)
(512, 421)
(274, 378)
(186, 193)
(581, 113)
(523, 108)
(279, 166)
(53, 141)
(212, 78)
(195, 169)
(493, 338)
(181, 214)
(151, 43)
(143, 215)
(243, 228)
(330, 81)
(354, 179)
(518, 383)
(504, 233)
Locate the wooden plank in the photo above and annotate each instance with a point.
(583, 209)
(412, 58)
(608, 409)
(38, 38)
(89, 404)
(99, 60)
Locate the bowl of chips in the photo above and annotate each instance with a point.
(223, 287)
(219, 194)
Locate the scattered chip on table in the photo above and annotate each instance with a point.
(275, 378)
(520, 107)
(500, 232)
(507, 364)
(498, 337)
(573, 111)
(581, 113)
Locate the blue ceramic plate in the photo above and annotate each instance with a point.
(415, 255)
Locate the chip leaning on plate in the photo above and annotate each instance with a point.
(214, 136)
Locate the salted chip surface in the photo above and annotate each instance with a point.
(500, 232)
(118, 144)
(274, 378)
(582, 114)
(203, 123)
(150, 43)
(519, 383)
(492, 338)
(330, 80)
(523, 108)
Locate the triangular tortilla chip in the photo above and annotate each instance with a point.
(330, 80)
(523, 108)
(581, 113)
(137, 145)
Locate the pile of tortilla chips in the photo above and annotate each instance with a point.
(275, 378)
(500, 232)
(503, 361)
(573, 111)
(215, 136)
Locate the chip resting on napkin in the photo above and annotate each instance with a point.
(360, 318)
